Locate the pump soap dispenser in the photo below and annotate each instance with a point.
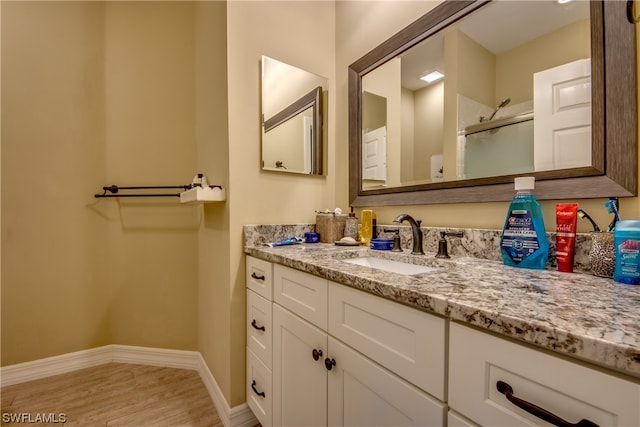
(351, 225)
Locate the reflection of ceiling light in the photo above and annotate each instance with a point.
(433, 76)
(564, 1)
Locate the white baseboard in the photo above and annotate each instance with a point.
(29, 371)
(238, 416)
(181, 359)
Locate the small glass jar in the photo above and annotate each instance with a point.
(351, 227)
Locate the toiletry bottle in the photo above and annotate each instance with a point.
(368, 223)
(626, 240)
(524, 241)
(351, 226)
(197, 181)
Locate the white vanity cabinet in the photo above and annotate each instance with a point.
(320, 353)
(480, 361)
(322, 379)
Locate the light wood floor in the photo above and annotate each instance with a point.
(115, 394)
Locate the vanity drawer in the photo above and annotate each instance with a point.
(259, 326)
(404, 340)
(259, 389)
(301, 293)
(260, 277)
(569, 390)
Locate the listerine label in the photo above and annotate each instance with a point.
(519, 237)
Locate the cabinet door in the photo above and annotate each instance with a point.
(299, 381)
(478, 361)
(361, 393)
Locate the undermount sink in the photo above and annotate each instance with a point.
(391, 266)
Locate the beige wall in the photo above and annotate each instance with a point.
(212, 150)
(407, 133)
(300, 34)
(96, 94)
(429, 111)
(54, 246)
(475, 70)
(150, 140)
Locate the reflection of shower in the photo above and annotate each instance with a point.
(503, 104)
(280, 165)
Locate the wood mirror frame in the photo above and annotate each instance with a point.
(614, 118)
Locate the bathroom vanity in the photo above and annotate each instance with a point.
(331, 342)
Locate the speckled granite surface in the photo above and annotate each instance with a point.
(475, 243)
(579, 315)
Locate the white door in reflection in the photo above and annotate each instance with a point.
(562, 111)
(374, 154)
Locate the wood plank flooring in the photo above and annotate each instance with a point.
(113, 394)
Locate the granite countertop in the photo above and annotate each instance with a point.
(578, 315)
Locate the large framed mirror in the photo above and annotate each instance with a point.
(292, 118)
(542, 88)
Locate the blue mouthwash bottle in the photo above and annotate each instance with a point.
(524, 241)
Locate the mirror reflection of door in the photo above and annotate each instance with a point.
(374, 156)
(562, 106)
(374, 140)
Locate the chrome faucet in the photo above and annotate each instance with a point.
(415, 231)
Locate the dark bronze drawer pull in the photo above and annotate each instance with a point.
(537, 411)
(255, 390)
(255, 276)
(631, 16)
(255, 325)
(329, 363)
(317, 354)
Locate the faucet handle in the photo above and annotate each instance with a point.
(442, 243)
(396, 239)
